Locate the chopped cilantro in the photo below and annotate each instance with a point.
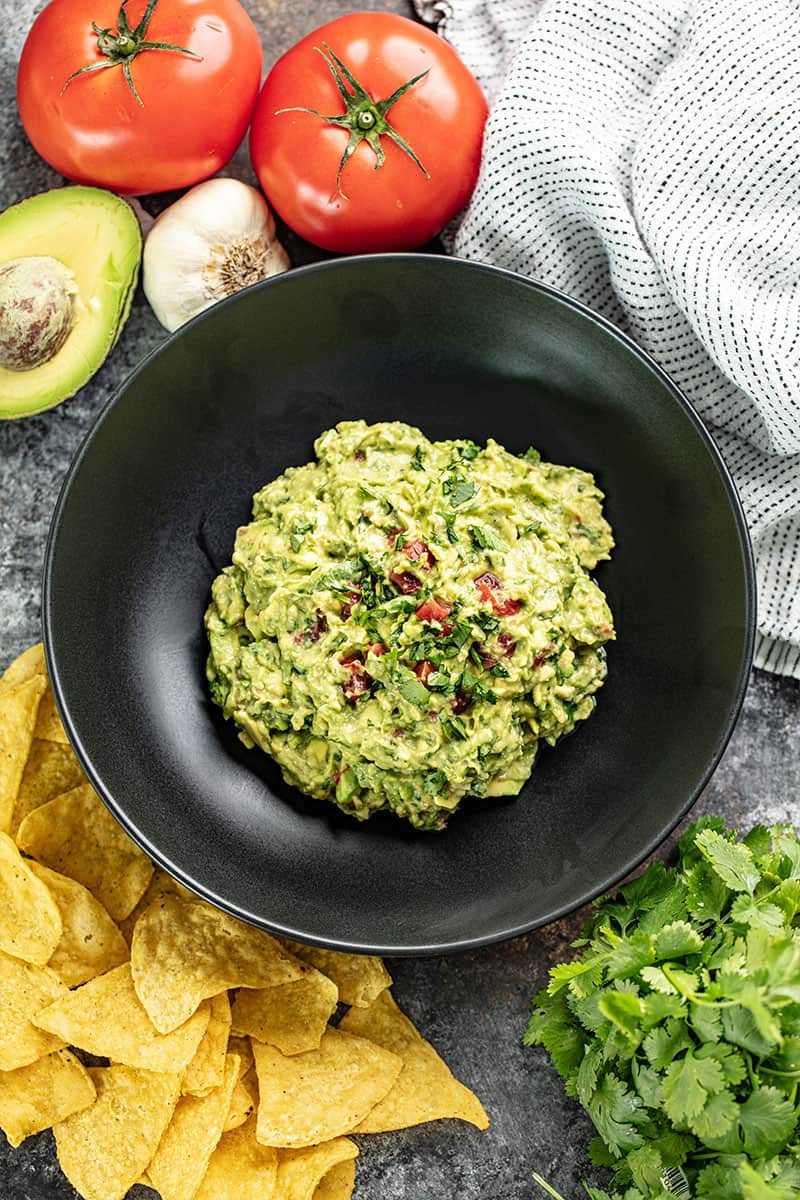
(449, 524)
(532, 455)
(417, 463)
(485, 539)
(458, 490)
(454, 729)
(468, 450)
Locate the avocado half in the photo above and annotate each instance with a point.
(96, 236)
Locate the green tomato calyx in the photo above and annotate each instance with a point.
(363, 118)
(121, 45)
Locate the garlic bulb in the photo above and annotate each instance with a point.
(215, 240)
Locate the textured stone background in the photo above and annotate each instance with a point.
(473, 1007)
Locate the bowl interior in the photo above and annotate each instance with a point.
(148, 516)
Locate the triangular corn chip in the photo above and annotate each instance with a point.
(48, 722)
(30, 923)
(35, 1097)
(359, 977)
(30, 663)
(76, 835)
(182, 1158)
(206, 1070)
(51, 769)
(292, 1016)
(317, 1172)
(244, 1100)
(184, 951)
(24, 991)
(426, 1090)
(161, 884)
(314, 1097)
(337, 1183)
(240, 1169)
(243, 1047)
(18, 708)
(91, 944)
(104, 1149)
(105, 1018)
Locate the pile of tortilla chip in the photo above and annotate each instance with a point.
(226, 1078)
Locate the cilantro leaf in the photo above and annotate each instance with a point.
(768, 1120)
(678, 940)
(732, 861)
(614, 1109)
(687, 1084)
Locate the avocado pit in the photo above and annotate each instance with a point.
(37, 310)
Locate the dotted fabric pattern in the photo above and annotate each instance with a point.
(642, 155)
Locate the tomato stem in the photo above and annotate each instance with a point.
(121, 45)
(364, 118)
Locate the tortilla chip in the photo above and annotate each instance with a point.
(24, 992)
(18, 708)
(50, 770)
(30, 923)
(48, 722)
(91, 943)
(29, 663)
(243, 1047)
(359, 977)
(105, 1018)
(207, 1069)
(426, 1090)
(240, 1169)
(161, 884)
(338, 1184)
(104, 1149)
(184, 951)
(35, 1097)
(183, 1155)
(292, 1016)
(244, 1100)
(76, 835)
(313, 1097)
(325, 1171)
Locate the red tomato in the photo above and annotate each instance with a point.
(193, 112)
(357, 202)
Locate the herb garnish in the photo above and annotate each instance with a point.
(678, 1025)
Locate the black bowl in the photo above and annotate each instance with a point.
(147, 516)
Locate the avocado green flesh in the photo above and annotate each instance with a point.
(96, 235)
(509, 660)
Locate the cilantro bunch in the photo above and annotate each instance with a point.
(678, 1025)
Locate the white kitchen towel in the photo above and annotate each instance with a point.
(644, 157)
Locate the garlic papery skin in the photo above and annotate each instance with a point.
(214, 241)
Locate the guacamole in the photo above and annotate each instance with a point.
(404, 621)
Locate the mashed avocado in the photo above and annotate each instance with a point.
(404, 621)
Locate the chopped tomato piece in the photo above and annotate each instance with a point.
(352, 657)
(461, 702)
(423, 669)
(489, 585)
(377, 648)
(505, 606)
(350, 603)
(488, 659)
(433, 610)
(406, 581)
(418, 550)
(359, 682)
(320, 626)
(543, 654)
(359, 456)
(507, 644)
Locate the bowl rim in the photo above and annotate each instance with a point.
(435, 262)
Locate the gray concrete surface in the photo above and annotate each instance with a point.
(473, 1007)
